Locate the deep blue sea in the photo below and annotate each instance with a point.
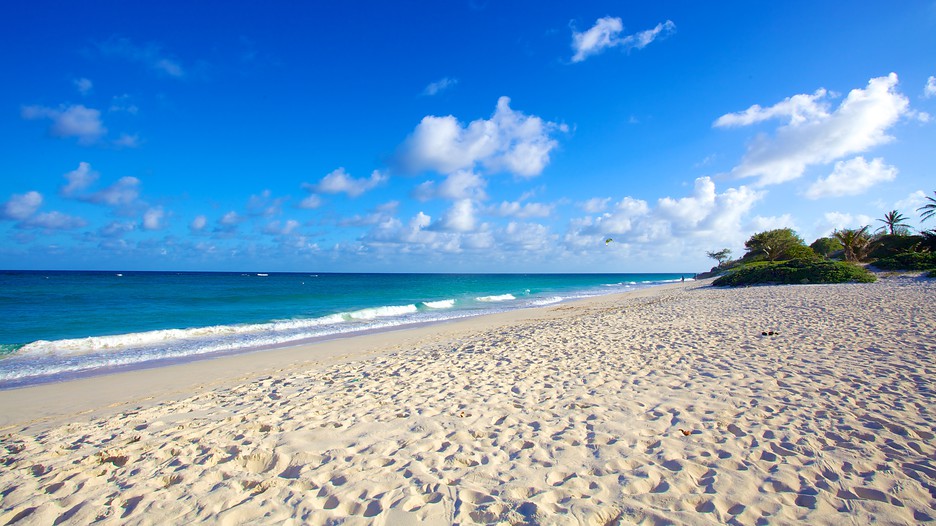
(58, 325)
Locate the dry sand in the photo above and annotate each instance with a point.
(668, 407)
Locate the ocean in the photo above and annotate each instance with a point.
(58, 325)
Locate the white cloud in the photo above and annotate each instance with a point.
(84, 85)
(606, 34)
(852, 177)
(832, 221)
(509, 141)
(460, 217)
(706, 211)
(339, 181)
(79, 179)
(72, 121)
(929, 90)
(53, 221)
(704, 217)
(277, 228)
(116, 229)
(434, 88)
(311, 202)
(230, 219)
(798, 109)
(198, 223)
(150, 55)
(761, 223)
(814, 135)
(122, 193)
(123, 103)
(127, 141)
(522, 210)
(595, 205)
(21, 206)
(458, 185)
(153, 218)
(912, 202)
(264, 204)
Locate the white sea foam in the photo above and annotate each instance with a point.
(502, 297)
(379, 312)
(441, 304)
(169, 337)
(547, 301)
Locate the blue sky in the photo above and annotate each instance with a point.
(454, 136)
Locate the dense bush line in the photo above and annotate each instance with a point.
(795, 271)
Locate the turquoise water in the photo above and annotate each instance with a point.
(55, 325)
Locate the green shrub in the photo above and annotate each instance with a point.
(826, 246)
(888, 245)
(908, 261)
(793, 272)
(931, 274)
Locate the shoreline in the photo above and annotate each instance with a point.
(131, 347)
(657, 406)
(137, 383)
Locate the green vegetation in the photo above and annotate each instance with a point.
(894, 223)
(826, 246)
(856, 242)
(780, 256)
(908, 261)
(772, 245)
(795, 271)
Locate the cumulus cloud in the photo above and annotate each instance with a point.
(832, 221)
(434, 88)
(72, 121)
(460, 217)
(277, 228)
(79, 180)
(339, 181)
(127, 141)
(509, 141)
(458, 185)
(230, 219)
(311, 202)
(814, 134)
(83, 85)
(21, 206)
(912, 202)
(852, 177)
(153, 218)
(265, 204)
(595, 205)
(606, 33)
(116, 229)
(150, 55)
(53, 221)
(522, 210)
(703, 216)
(929, 90)
(198, 224)
(122, 193)
(798, 109)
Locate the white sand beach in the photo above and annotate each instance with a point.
(667, 406)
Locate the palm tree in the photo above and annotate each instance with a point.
(857, 243)
(929, 209)
(894, 222)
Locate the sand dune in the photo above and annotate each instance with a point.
(666, 408)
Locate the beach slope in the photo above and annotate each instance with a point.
(670, 406)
